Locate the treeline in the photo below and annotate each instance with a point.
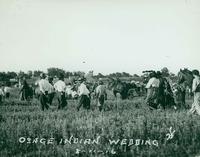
(5, 76)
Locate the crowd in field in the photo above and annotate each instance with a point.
(49, 88)
(159, 91)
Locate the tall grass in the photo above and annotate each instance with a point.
(129, 119)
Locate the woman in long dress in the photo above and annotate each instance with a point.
(196, 91)
(152, 91)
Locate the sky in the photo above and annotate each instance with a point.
(105, 36)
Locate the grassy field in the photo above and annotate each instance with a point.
(27, 131)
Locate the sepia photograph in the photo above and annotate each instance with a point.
(99, 78)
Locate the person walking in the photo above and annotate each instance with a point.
(24, 92)
(7, 90)
(60, 88)
(196, 90)
(44, 88)
(83, 93)
(51, 91)
(1, 95)
(101, 95)
(152, 91)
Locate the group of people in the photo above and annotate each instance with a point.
(159, 92)
(48, 91)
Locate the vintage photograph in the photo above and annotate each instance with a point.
(99, 78)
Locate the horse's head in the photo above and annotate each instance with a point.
(185, 76)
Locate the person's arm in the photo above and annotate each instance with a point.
(55, 86)
(194, 85)
(149, 83)
(41, 87)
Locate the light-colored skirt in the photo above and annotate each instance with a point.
(196, 104)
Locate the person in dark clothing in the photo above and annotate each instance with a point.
(165, 94)
(24, 92)
(52, 91)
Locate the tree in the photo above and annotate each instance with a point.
(11, 74)
(37, 73)
(55, 72)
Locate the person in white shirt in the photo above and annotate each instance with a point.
(1, 95)
(152, 91)
(100, 92)
(196, 90)
(44, 87)
(7, 90)
(60, 88)
(83, 93)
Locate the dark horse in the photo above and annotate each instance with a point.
(120, 88)
(185, 79)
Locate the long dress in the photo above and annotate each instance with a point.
(196, 104)
(196, 89)
(152, 92)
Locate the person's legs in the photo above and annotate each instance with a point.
(43, 101)
(81, 99)
(0, 99)
(63, 100)
(101, 102)
(59, 100)
(86, 102)
(50, 98)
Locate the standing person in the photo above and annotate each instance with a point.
(100, 94)
(161, 90)
(196, 91)
(51, 90)
(44, 87)
(152, 91)
(7, 90)
(60, 87)
(83, 93)
(1, 95)
(24, 92)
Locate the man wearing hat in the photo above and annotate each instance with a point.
(83, 93)
(100, 94)
(196, 91)
(44, 87)
(60, 87)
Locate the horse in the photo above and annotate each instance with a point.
(184, 83)
(121, 89)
